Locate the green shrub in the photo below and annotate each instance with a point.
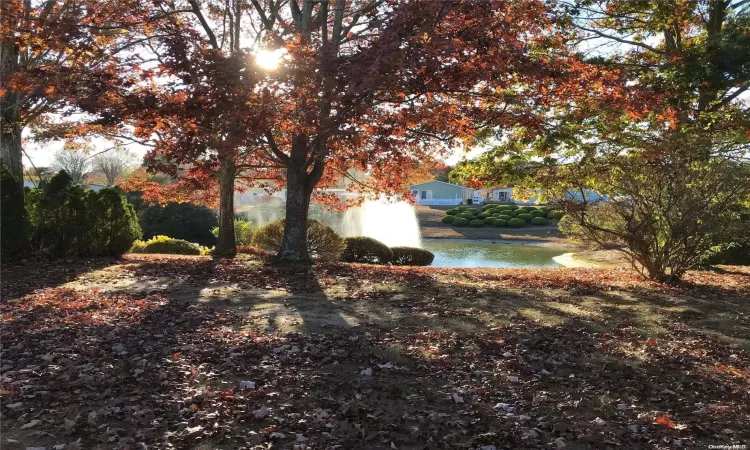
(193, 223)
(113, 225)
(364, 249)
(71, 220)
(504, 217)
(477, 223)
(513, 207)
(322, 241)
(166, 245)
(483, 215)
(448, 219)
(525, 217)
(537, 213)
(489, 221)
(539, 221)
(453, 212)
(411, 256)
(516, 222)
(511, 213)
(243, 232)
(467, 215)
(14, 227)
(556, 214)
(501, 223)
(729, 254)
(460, 222)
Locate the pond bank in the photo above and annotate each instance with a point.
(569, 260)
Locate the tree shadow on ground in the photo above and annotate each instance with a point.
(23, 276)
(427, 363)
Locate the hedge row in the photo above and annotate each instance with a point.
(500, 216)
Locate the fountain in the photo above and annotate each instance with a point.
(392, 223)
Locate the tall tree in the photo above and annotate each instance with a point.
(378, 86)
(56, 54)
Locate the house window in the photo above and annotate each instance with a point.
(502, 196)
(415, 193)
(424, 195)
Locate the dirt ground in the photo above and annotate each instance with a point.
(432, 228)
(157, 352)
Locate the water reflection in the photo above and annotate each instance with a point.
(474, 254)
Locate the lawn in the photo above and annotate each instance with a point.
(189, 352)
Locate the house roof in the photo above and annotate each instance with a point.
(438, 181)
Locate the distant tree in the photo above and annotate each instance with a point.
(75, 163)
(113, 164)
(39, 175)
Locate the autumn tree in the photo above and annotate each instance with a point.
(669, 148)
(381, 87)
(59, 56)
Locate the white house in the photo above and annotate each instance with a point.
(441, 193)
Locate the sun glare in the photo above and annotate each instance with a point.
(269, 60)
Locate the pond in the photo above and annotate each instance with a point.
(480, 254)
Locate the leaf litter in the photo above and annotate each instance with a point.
(132, 370)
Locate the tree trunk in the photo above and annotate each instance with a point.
(226, 245)
(10, 129)
(294, 247)
(10, 148)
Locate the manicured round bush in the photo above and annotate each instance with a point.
(477, 223)
(467, 215)
(166, 245)
(546, 210)
(556, 214)
(501, 223)
(448, 219)
(364, 249)
(411, 256)
(511, 213)
(539, 221)
(516, 222)
(322, 241)
(489, 221)
(486, 207)
(513, 207)
(536, 213)
(453, 212)
(525, 217)
(483, 215)
(460, 222)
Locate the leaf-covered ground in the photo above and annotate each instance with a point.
(189, 352)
